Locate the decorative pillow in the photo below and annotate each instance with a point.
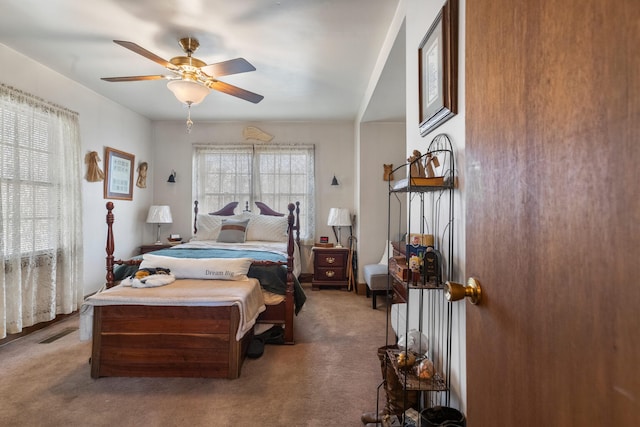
(233, 231)
(268, 228)
(200, 268)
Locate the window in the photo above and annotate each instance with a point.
(273, 174)
(26, 184)
(40, 211)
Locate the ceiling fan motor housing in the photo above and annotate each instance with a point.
(188, 61)
(189, 45)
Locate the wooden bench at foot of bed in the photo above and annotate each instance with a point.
(162, 341)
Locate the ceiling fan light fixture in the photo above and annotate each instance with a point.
(188, 92)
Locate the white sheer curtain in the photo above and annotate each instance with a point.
(40, 211)
(221, 175)
(284, 174)
(275, 174)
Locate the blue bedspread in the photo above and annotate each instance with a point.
(220, 253)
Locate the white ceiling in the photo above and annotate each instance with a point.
(314, 58)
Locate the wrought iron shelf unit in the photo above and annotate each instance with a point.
(429, 202)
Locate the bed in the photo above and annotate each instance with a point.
(200, 323)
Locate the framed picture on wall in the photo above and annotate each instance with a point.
(438, 70)
(118, 179)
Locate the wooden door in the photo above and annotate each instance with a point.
(553, 212)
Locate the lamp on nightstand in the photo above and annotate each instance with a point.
(339, 217)
(159, 215)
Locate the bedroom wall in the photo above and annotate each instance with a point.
(102, 123)
(419, 17)
(380, 143)
(380, 139)
(334, 154)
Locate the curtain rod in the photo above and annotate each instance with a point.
(13, 92)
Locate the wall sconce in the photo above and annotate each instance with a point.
(334, 181)
(172, 177)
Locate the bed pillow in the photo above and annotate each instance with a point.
(209, 225)
(233, 231)
(268, 228)
(200, 268)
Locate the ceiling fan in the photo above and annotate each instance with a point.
(191, 78)
(192, 70)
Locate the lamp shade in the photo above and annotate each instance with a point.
(188, 92)
(159, 215)
(339, 217)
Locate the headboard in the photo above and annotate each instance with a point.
(228, 210)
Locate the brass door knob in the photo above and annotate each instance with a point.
(457, 291)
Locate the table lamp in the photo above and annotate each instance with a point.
(339, 217)
(159, 215)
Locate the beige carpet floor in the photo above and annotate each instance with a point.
(326, 379)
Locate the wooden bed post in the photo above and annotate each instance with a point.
(111, 262)
(289, 307)
(110, 244)
(298, 223)
(195, 217)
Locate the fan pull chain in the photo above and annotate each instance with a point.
(189, 121)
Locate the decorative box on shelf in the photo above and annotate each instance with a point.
(434, 181)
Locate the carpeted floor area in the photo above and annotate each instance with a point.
(327, 379)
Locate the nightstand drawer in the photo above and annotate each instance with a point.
(330, 259)
(330, 273)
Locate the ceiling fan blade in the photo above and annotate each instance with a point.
(133, 78)
(144, 52)
(225, 68)
(235, 91)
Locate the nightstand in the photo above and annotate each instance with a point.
(153, 247)
(330, 267)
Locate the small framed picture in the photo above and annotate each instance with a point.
(118, 180)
